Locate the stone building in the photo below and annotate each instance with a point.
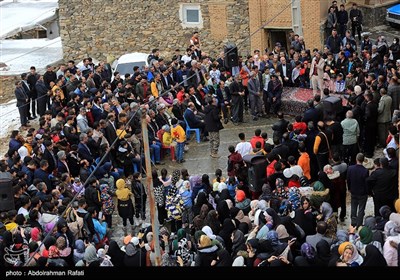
(304, 17)
(111, 28)
(114, 27)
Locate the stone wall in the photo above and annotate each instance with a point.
(102, 29)
(7, 87)
(374, 16)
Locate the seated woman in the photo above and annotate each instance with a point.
(319, 194)
(349, 255)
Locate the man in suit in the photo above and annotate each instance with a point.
(27, 89)
(97, 111)
(254, 86)
(111, 128)
(32, 79)
(193, 121)
(83, 149)
(286, 72)
(317, 73)
(48, 155)
(22, 103)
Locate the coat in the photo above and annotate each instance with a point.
(212, 119)
(320, 67)
(384, 109)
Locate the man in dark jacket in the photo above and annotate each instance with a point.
(312, 114)
(92, 194)
(370, 125)
(237, 92)
(279, 127)
(383, 183)
(213, 125)
(342, 19)
(356, 182)
(22, 103)
(356, 19)
(32, 79)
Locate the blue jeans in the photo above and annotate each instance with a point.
(156, 156)
(179, 151)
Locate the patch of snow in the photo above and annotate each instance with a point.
(20, 55)
(9, 118)
(17, 16)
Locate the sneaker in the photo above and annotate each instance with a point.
(255, 118)
(215, 155)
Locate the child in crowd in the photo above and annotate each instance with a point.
(179, 136)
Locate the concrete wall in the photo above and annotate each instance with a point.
(111, 28)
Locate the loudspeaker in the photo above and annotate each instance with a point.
(6, 195)
(332, 106)
(257, 165)
(231, 56)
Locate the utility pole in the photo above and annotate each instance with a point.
(150, 191)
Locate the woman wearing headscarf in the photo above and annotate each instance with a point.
(281, 191)
(377, 235)
(90, 257)
(223, 259)
(348, 255)
(365, 237)
(238, 242)
(227, 228)
(79, 250)
(64, 232)
(238, 214)
(275, 218)
(308, 256)
(390, 253)
(116, 254)
(381, 220)
(223, 211)
(199, 201)
(207, 252)
(213, 222)
(283, 234)
(108, 205)
(159, 196)
(174, 203)
(373, 257)
(323, 253)
(200, 220)
(279, 247)
(125, 205)
(204, 185)
(330, 219)
(304, 216)
(319, 194)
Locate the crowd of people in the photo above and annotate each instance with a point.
(86, 160)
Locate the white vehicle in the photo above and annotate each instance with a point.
(127, 61)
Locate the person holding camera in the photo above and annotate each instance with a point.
(356, 21)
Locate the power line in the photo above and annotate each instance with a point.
(124, 127)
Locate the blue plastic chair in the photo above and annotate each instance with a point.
(189, 130)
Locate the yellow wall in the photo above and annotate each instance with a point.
(262, 11)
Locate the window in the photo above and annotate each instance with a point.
(190, 16)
